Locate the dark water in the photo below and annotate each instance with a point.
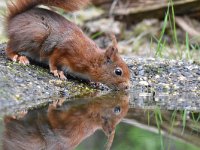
(115, 120)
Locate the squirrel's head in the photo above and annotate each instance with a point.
(112, 70)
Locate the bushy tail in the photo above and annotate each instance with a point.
(20, 6)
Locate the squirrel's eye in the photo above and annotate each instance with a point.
(117, 110)
(118, 71)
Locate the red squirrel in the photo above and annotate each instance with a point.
(65, 126)
(47, 37)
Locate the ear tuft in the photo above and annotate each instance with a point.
(113, 38)
(112, 50)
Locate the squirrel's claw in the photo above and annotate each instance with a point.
(15, 57)
(59, 74)
(23, 60)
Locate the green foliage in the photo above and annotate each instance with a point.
(96, 35)
(169, 20)
(184, 118)
(161, 43)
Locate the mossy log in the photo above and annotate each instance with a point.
(136, 10)
(175, 82)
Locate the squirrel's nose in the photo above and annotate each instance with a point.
(126, 87)
(123, 86)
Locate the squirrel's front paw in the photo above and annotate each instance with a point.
(59, 74)
(21, 59)
(55, 104)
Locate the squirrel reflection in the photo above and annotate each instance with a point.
(62, 126)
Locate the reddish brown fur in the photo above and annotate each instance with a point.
(47, 37)
(63, 127)
(21, 6)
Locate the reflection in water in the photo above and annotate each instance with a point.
(64, 126)
(177, 124)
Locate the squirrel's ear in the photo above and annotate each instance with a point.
(112, 50)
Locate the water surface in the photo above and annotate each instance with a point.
(118, 120)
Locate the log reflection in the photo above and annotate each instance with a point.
(181, 124)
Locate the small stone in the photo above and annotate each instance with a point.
(157, 76)
(141, 72)
(140, 68)
(145, 83)
(145, 94)
(182, 78)
(19, 80)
